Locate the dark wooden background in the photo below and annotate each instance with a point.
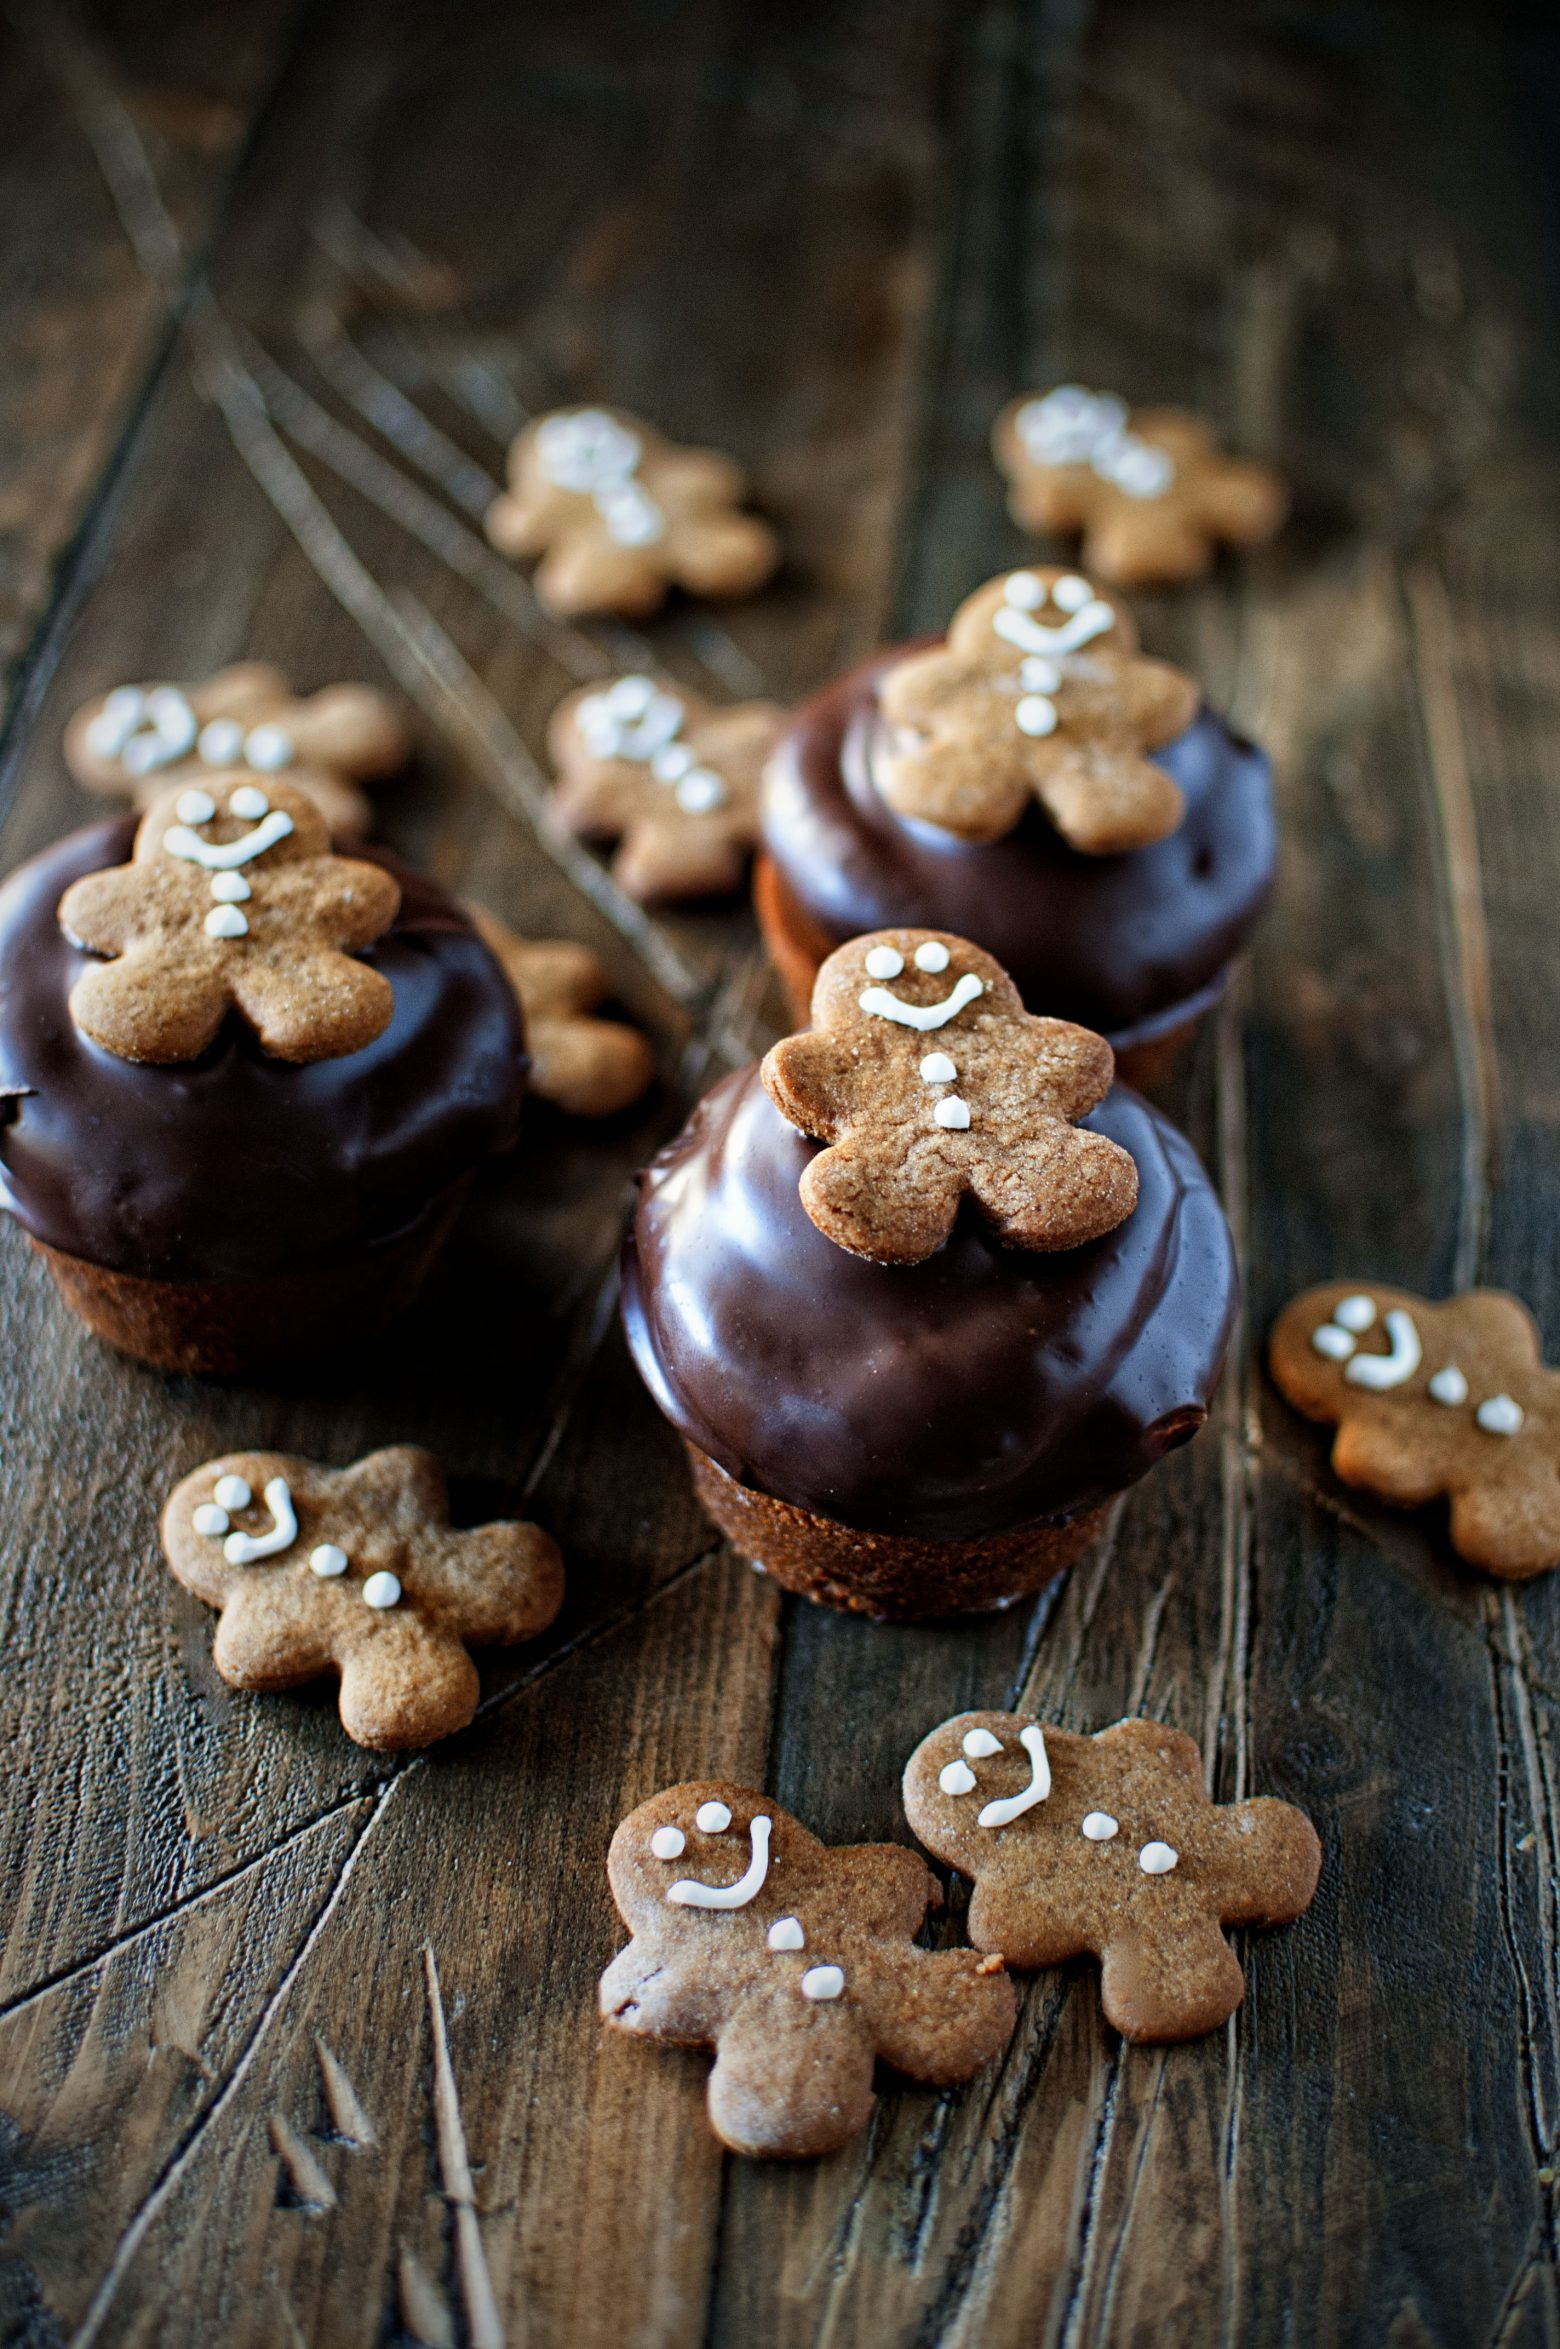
(297, 2044)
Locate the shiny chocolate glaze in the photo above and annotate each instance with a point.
(235, 1166)
(1118, 942)
(974, 1393)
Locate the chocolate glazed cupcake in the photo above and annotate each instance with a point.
(244, 1082)
(1038, 786)
(924, 1292)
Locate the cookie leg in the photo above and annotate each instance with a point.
(791, 2077)
(1171, 1987)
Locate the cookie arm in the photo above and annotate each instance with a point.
(495, 1585)
(315, 1006)
(1267, 1862)
(653, 1997)
(1057, 1191)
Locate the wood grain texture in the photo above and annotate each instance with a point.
(299, 2044)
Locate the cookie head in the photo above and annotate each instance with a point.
(929, 1083)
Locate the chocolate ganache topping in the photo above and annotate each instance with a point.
(236, 1165)
(976, 1392)
(1119, 943)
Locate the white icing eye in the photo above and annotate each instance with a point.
(249, 803)
(1332, 1341)
(1035, 716)
(786, 1933)
(381, 1589)
(668, 1843)
(1355, 1313)
(700, 791)
(1500, 1416)
(221, 744)
(1072, 593)
(1157, 1859)
(952, 1113)
(822, 1982)
(979, 1743)
(1024, 592)
(225, 921)
(956, 1778)
(230, 888)
(937, 1069)
(884, 962)
(195, 807)
(211, 1521)
(231, 1492)
(1449, 1386)
(671, 763)
(267, 749)
(712, 1818)
(328, 1560)
(933, 956)
(1099, 1826)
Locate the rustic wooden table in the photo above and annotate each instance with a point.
(297, 2044)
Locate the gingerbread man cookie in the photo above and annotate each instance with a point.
(584, 1066)
(1039, 693)
(138, 741)
(231, 898)
(795, 1962)
(1108, 1847)
(671, 778)
(929, 1081)
(1432, 1400)
(1149, 488)
(619, 514)
(356, 1571)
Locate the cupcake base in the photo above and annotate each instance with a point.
(895, 1578)
(235, 1328)
(1146, 1054)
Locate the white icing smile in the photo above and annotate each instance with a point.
(1338, 1339)
(1071, 426)
(224, 856)
(1013, 1806)
(593, 455)
(242, 1549)
(885, 1005)
(633, 719)
(146, 731)
(688, 1894)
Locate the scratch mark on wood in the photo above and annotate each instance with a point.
(348, 2120)
(307, 2186)
(423, 2309)
(482, 2317)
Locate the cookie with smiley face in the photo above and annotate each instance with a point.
(1040, 693)
(930, 1083)
(232, 900)
(1108, 1847)
(1431, 1401)
(796, 1962)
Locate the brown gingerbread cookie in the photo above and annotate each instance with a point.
(795, 1962)
(140, 740)
(1149, 489)
(1039, 693)
(619, 514)
(1108, 1847)
(357, 1571)
(1432, 1400)
(671, 778)
(584, 1066)
(930, 1082)
(232, 898)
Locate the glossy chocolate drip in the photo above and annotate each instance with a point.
(236, 1166)
(1117, 942)
(976, 1392)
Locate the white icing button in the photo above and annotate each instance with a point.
(211, 1521)
(1449, 1386)
(937, 1069)
(978, 1743)
(1157, 1859)
(225, 921)
(1035, 715)
(381, 1589)
(1332, 1341)
(195, 807)
(249, 803)
(1355, 1313)
(221, 744)
(668, 1843)
(1099, 1826)
(933, 956)
(267, 749)
(230, 888)
(952, 1112)
(1070, 595)
(328, 1560)
(700, 791)
(885, 962)
(786, 1933)
(231, 1492)
(1024, 591)
(822, 1982)
(712, 1818)
(671, 762)
(956, 1778)
(1500, 1415)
